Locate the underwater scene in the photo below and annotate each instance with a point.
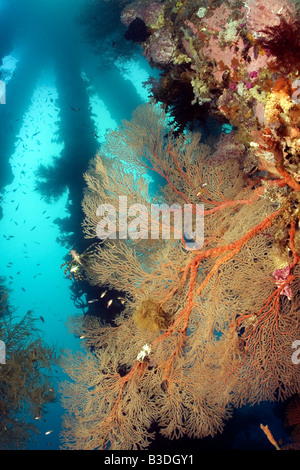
(150, 227)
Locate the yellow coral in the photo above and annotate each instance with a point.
(181, 59)
(177, 7)
(158, 23)
(278, 107)
(281, 260)
(201, 91)
(149, 315)
(259, 94)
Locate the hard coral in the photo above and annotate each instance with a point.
(160, 47)
(130, 13)
(154, 15)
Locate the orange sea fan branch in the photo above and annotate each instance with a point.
(192, 268)
(269, 435)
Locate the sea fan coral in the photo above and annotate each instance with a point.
(151, 316)
(208, 328)
(223, 324)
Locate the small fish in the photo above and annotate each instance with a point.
(75, 109)
(109, 302)
(82, 337)
(103, 294)
(32, 228)
(48, 432)
(23, 289)
(42, 319)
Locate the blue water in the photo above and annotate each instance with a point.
(49, 68)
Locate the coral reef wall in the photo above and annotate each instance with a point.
(207, 326)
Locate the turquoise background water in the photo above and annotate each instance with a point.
(49, 62)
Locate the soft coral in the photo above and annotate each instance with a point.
(282, 41)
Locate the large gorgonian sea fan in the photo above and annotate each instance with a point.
(203, 331)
